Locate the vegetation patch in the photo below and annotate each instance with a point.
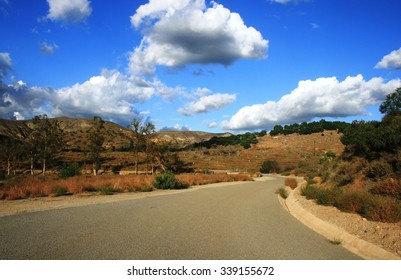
(282, 192)
(291, 182)
(167, 180)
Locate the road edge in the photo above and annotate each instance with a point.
(354, 244)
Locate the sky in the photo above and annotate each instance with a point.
(227, 65)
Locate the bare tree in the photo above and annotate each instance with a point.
(142, 133)
(95, 143)
(45, 141)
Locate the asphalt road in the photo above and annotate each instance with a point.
(243, 221)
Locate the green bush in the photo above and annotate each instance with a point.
(69, 170)
(167, 180)
(283, 192)
(269, 166)
(107, 190)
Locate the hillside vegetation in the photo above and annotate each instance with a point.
(366, 179)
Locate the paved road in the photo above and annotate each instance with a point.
(243, 221)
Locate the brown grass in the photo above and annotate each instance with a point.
(291, 182)
(203, 179)
(35, 186)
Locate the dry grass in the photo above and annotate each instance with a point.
(291, 182)
(36, 186)
(203, 179)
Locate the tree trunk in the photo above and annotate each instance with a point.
(44, 167)
(8, 167)
(31, 165)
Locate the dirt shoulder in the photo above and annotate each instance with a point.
(12, 207)
(384, 235)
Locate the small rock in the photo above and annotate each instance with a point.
(364, 219)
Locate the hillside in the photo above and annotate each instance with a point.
(116, 136)
(291, 152)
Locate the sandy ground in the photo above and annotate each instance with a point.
(385, 235)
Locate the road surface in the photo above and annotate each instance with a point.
(241, 221)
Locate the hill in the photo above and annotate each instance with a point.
(116, 136)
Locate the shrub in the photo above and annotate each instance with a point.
(167, 180)
(269, 166)
(283, 192)
(389, 187)
(291, 182)
(108, 190)
(69, 170)
(378, 169)
(59, 190)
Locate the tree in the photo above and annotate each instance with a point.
(95, 143)
(142, 132)
(392, 105)
(10, 149)
(277, 129)
(45, 141)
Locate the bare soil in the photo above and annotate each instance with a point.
(384, 235)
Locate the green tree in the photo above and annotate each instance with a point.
(277, 129)
(392, 105)
(95, 143)
(46, 140)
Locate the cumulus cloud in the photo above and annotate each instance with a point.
(5, 64)
(323, 97)
(176, 127)
(182, 32)
(111, 95)
(392, 60)
(46, 48)
(208, 103)
(69, 11)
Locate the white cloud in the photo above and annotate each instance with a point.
(165, 92)
(176, 127)
(212, 125)
(69, 11)
(323, 97)
(5, 64)
(392, 60)
(46, 48)
(208, 103)
(111, 95)
(182, 32)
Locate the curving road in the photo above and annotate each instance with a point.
(241, 221)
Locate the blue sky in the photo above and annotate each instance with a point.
(227, 65)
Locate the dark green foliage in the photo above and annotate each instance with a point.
(392, 105)
(269, 166)
(167, 180)
(277, 129)
(309, 128)
(245, 140)
(69, 170)
(283, 192)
